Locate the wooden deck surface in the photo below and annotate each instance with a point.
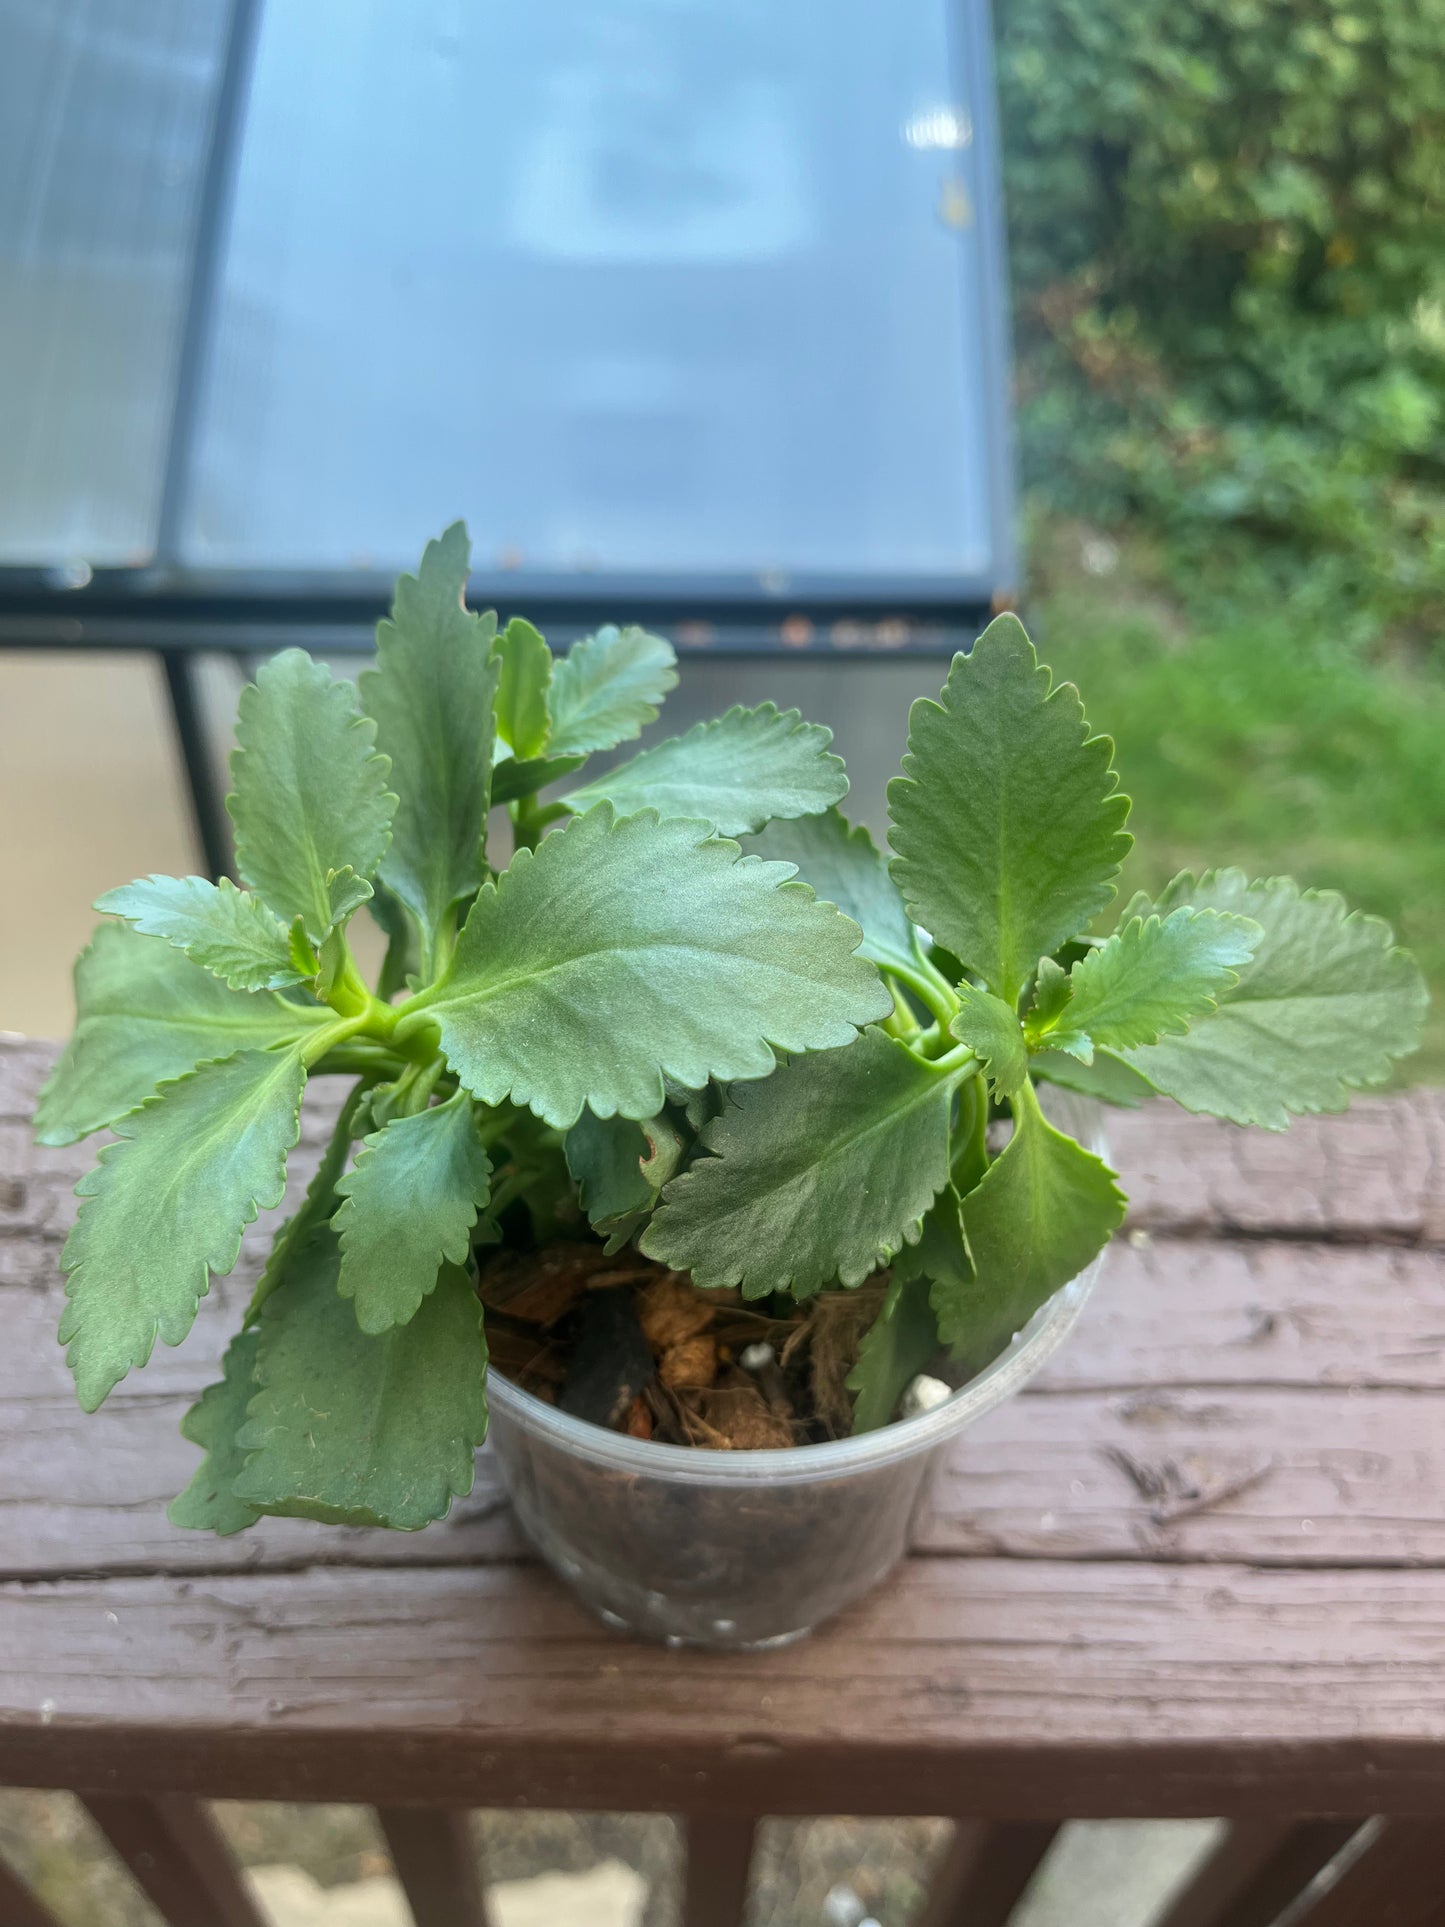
(1197, 1568)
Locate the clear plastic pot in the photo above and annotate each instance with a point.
(746, 1549)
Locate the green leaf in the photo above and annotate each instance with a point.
(941, 1254)
(1007, 830)
(824, 1170)
(431, 696)
(734, 773)
(227, 931)
(310, 799)
(514, 777)
(991, 1029)
(900, 1343)
(145, 1016)
(409, 1204)
(845, 867)
(625, 949)
(208, 1503)
(1152, 979)
(316, 1208)
(1052, 991)
(526, 666)
(607, 688)
(1326, 1006)
(350, 1429)
(1105, 1078)
(165, 1207)
(620, 1166)
(1044, 1208)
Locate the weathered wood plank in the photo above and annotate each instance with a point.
(435, 1859)
(985, 1872)
(719, 1848)
(1377, 1169)
(1257, 1869)
(1008, 1689)
(1184, 1420)
(177, 1857)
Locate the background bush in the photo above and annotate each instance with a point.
(1227, 222)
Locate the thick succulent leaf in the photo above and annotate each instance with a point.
(735, 773)
(991, 1029)
(607, 688)
(208, 1503)
(165, 1207)
(1105, 1077)
(526, 675)
(900, 1343)
(146, 1015)
(1044, 1208)
(514, 777)
(315, 1209)
(409, 1204)
(431, 696)
(352, 1429)
(1326, 1006)
(822, 1171)
(310, 798)
(844, 865)
(624, 950)
(620, 1166)
(1153, 978)
(1007, 829)
(227, 931)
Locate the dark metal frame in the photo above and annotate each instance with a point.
(179, 613)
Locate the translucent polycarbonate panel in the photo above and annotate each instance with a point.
(682, 285)
(105, 112)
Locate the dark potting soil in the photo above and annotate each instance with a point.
(623, 1342)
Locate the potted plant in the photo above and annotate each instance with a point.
(639, 1102)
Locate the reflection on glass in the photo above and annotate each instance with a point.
(105, 109)
(661, 285)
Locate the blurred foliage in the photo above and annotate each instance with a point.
(1259, 735)
(1225, 224)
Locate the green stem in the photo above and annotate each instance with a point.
(970, 1161)
(330, 1035)
(955, 1062)
(931, 989)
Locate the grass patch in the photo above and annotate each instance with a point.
(1248, 741)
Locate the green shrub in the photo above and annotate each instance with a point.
(1225, 224)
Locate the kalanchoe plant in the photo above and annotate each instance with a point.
(637, 1021)
(632, 951)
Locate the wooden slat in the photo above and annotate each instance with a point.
(719, 1850)
(1398, 1881)
(435, 1860)
(1254, 1873)
(176, 1854)
(1276, 1396)
(985, 1872)
(1027, 1689)
(18, 1906)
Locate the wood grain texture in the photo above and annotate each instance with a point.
(1008, 1689)
(1198, 1568)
